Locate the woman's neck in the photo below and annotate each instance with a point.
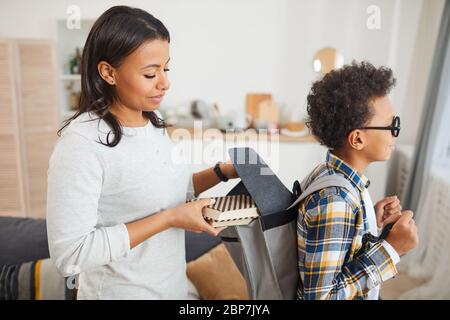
(128, 117)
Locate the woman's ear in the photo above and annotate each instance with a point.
(107, 72)
(356, 139)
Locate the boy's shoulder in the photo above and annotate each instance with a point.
(328, 194)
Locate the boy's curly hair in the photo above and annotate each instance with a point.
(339, 103)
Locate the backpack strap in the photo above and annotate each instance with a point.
(324, 182)
(333, 180)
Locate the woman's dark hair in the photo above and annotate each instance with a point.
(115, 34)
(339, 103)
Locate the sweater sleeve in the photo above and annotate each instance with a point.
(75, 177)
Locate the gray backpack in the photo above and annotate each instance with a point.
(265, 251)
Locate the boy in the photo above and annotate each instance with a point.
(351, 114)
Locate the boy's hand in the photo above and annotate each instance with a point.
(385, 208)
(393, 218)
(403, 235)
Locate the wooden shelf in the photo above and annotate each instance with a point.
(249, 134)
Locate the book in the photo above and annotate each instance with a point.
(231, 211)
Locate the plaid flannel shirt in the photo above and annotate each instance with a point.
(330, 227)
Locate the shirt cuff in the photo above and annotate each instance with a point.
(119, 241)
(392, 253)
(190, 193)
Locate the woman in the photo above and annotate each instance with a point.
(116, 200)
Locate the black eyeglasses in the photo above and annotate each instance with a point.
(394, 127)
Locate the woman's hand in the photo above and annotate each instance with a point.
(385, 208)
(189, 216)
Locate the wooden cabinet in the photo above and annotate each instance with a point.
(29, 119)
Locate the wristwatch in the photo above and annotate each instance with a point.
(219, 172)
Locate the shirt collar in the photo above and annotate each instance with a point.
(360, 181)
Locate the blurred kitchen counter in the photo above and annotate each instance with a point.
(248, 134)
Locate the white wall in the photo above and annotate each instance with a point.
(222, 49)
(413, 60)
(410, 56)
